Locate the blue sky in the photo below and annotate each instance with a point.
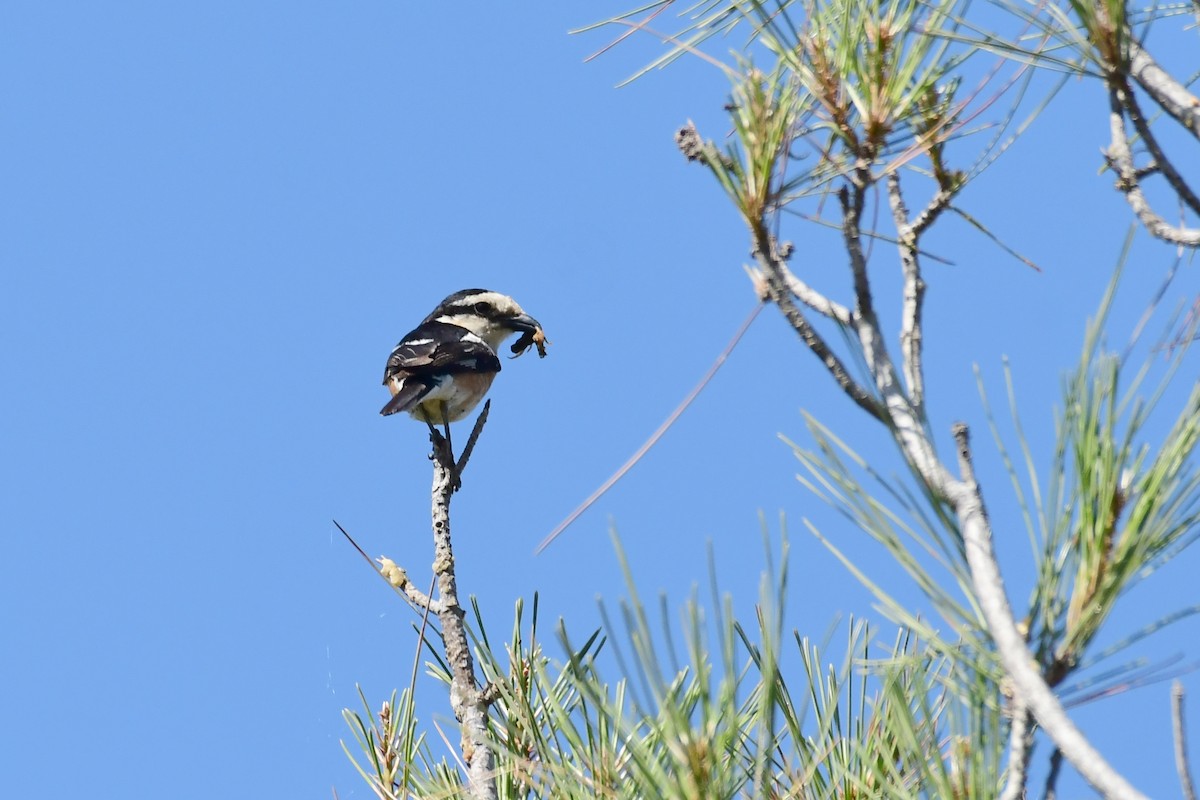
(218, 219)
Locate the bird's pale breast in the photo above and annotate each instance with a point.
(459, 395)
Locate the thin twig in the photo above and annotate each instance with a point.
(814, 299)
(654, 437)
(394, 575)
(401, 582)
(1179, 733)
(1051, 790)
(929, 214)
(480, 421)
(770, 263)
(808, 334)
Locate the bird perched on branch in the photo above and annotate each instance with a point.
(441, 369)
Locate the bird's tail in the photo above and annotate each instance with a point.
(410, 393)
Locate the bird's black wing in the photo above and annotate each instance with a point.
(427, 355)
(438, 348)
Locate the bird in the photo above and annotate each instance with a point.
(442, 368)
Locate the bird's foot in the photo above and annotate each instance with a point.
(444, 455)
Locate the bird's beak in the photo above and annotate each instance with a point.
(523, 323)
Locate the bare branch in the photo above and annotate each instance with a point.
(422, 600)
(937, 204)
(814, 299)
(911, 336)
(852, 207)
(770, 262)
(1051, 790)
(1121, 160)
(1020, 742)
(1160, 164)
(1180, 736)
(1028, 684)
(394, 574)
(832, 363)
(1170, 94)
(465, 698)
(397, 576)
(866, 323)
(905, 418)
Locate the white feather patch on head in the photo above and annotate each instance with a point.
(489, 327)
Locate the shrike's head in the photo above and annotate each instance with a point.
(489, 315)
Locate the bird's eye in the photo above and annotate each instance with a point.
(483, 309)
